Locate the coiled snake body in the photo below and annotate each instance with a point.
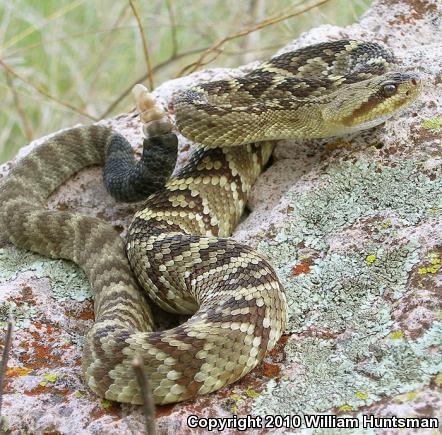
(177, 245)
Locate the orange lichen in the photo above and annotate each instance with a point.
(87, 314)
(283, 340)
(13, 372)
(270, 370)
(164, 410)
(40, 389)
(302, 267)
(279, 347)
(36, 391)
(38, 348)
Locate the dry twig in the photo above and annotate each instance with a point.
(46, 94)
(145, 46)
(255, 12)
(141, 79)
(4, 363)
(173, 28)
(146, 394)
(270, 21)
(21, 113)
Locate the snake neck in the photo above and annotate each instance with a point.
(328, 89)
(208, 196)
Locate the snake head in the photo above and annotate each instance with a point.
(370, 102)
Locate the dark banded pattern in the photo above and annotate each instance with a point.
(184, 361)
(297, 95)
(174, 248)
(177, 243)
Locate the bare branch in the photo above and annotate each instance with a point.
(4, 363)
(46, 94)
(146, 394)
(255, 12)
(141, 79)
(173, 28)
(21, 113)
(270, 21)
(145, 46)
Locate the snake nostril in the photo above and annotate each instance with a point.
(407, 93)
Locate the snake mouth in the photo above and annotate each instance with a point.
(408, 87)
(415, 84)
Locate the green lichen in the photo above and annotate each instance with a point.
(232, 402)
(396, 335)
(13, 261)
(370, 259)
(333, 371)
(433, 266)
(48, 378)
(105, 404)
(251, 393)
(349, 192)
(407, 397)
(66, 279)
(432, 124)
(343, 292)
(4, 425)
(361, 395)
(350, 289)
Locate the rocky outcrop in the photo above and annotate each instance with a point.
(353, 227)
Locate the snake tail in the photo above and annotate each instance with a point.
(89, 242)
(236, 295)
(127, 180)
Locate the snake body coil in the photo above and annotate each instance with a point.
(177, 245)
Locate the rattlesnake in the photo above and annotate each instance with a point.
(177, 245)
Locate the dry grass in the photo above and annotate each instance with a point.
(63, 62)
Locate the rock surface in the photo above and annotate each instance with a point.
(354, 229)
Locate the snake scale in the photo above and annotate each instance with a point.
(177, 245)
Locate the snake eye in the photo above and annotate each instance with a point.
(389, 90)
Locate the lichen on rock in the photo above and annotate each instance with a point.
(341, 309)
(347, 227)
(352, 225)
(67, 280)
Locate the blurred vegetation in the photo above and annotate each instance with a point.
(68, 61)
